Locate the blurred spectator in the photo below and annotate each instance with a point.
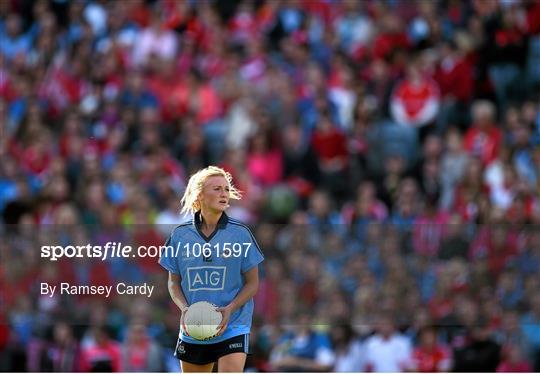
(155, 39)
(530, 324)
(366, 209)
(321, 213)
(513, 361)
(453, 165)
(455, 244)
(300, 166)
(387, 350)
(454, 74)
(354, 29)
(530, 257)
(391, 37)
(497, 176)
(110, 105)
(267, 299)
(331, 149)
(65, 353)
(416, 99)
(349, 351)
(429, 229)
(135, 94)
(470, 191)
(264, 160)
(140, 352)
(303, 349)
(511, 334)
(506, 48)
(497, 244)
(430, 356)
(388, 186)
(101, 353)
(406, 207)
(482, 353)
(12, 39)
(484, 138)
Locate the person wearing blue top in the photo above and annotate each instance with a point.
(213, 258)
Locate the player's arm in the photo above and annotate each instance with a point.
(177, 295)
(251, 285)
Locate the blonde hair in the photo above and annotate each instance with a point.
(190, 203)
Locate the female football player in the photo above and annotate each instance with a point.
(214, 258)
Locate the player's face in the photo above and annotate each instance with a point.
(215, 194)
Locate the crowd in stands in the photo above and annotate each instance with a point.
(388, 152)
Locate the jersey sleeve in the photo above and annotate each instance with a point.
(253, 255)
(166, 259)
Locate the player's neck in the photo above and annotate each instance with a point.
(210, 219)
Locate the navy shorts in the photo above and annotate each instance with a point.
(202, 354)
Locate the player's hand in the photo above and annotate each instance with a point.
(182, 323)
(226, 315)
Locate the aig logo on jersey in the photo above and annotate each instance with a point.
(206, 278)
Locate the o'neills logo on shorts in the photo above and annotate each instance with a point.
(181, 349)
(235, 345)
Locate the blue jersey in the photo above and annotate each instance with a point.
(212, 268)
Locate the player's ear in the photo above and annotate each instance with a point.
(197, 203)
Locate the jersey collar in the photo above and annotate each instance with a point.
(221, 225)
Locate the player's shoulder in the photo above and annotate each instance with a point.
(243, 231)
(239, 225)
(182, 227)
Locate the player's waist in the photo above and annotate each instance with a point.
(229, 333)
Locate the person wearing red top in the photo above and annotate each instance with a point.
(36, 157)
(533, 17)
(140, 352)
(483, 138)
(513, 361)
(102, 355)
(267, 300)
(243, 25)
(498, 244)
(196, 95)
(177, 14)
(64, 85)
(429, 228)
(454, 75)
(264, 162)
(429, 355)
(138, 12)
(161, 83)
(391, 37)
(4, 331)
(330, 145)
(415, 100)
